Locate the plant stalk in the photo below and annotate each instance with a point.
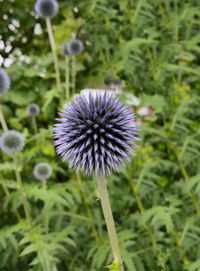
(23, 196)
(46, 210)
(105, 203)
(53, 48)
(185, 176)
(6, 191)
(67, 76)
(2, 120)
(73, 74)
(147, 225)
(34, 125)
(184, 259)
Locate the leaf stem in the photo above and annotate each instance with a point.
(53, 48)
(23, 195)
(105, 203)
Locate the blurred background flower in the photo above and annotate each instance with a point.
(46, 8)
(11, 142)
(42, 171)
(33, 110)
(74, 47)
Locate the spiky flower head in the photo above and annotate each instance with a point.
(11, 142)
(96, 134)
(33, 109)
(74, 47)
(46, 8)
(42, 171)
(4, 81)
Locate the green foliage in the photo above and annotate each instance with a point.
(153, 48)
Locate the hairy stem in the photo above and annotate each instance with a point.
(53, 48)
(67, 76)
(73, 74)
(105, 203)
(147, 225)
(89, 213)
(2, 120)
(23, 195)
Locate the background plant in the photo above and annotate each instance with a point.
(153, 47)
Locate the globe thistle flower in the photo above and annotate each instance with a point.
(96, 135)
(11, 142)
(74, 47)
(4, 81)
(94, 92)
(33, 110)
(42, 171)
(46, 8)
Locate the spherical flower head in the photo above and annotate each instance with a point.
(46, 8)
(33, 110)
(4, 81)
(96, 134)
(11, 142)
(74, 47)
(42, 171)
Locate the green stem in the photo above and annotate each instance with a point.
(44, 184)
(73, 74)
(67, 76)
(89, 213)
(46, 209)
(184, 259)
(53, 48)
(185, 176)
(6, 191)
(23, 195)
(102, 56)
(147, 225)
(105, 203)
(2, 120)
(34, 125)
(162, 11)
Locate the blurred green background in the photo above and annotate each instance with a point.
(152, 47)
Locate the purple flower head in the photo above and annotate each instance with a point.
(96, 134)
(46, 8)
